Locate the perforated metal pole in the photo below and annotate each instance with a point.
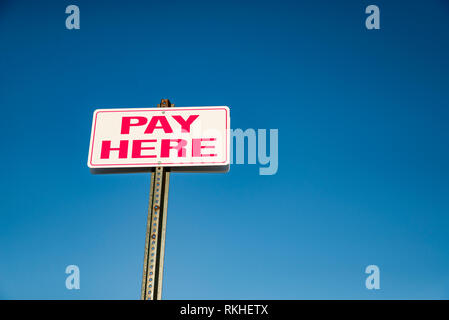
(153, 265)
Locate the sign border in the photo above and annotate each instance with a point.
(158, 164)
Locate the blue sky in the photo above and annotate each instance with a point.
(363, 153)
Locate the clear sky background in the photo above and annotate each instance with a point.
(363, 148)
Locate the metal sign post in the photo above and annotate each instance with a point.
(153, 265)
(165, 139)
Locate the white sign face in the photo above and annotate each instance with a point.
(160, 137)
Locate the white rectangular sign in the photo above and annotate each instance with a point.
(166, 137)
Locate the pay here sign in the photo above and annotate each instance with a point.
(166, 137)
